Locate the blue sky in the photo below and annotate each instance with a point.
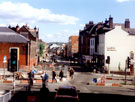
(59, 19)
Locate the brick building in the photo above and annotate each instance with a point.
(10, 39)
(72, 46)
(88, 47)
(110, 44)
(33, 36)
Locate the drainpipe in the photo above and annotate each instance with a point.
(28, 57)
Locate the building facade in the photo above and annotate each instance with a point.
(108, 40)
(119, 44)
(10, 39)
(34, 46)
(72, 46)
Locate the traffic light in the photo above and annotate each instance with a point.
(128, 62)
(108, 60)
(13, 59)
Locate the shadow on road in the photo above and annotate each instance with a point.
(36, 96)
(78, 68)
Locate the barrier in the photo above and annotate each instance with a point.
(5, 97)
(7, 81)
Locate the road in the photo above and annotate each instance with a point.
(80, 80)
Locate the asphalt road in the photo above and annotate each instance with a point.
(80, 80)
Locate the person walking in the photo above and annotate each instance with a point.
(44, 77)
(71, 72)
(30, 79)
(61, 74)
(53, 76)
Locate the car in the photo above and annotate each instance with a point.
(66, 94)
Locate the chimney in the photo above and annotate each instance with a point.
(106, 21)
(127, 23)
(111, 22)
(100, 25)
(37, 33)
(35, 28)
(86, 26)
(91, 22)
(17, 28)
(9, 26)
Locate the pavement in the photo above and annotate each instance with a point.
(102, 79)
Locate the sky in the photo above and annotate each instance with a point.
(59, 19)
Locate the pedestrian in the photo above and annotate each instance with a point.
(31, 77)
(44, 77)
(61, 74)
(71, 72)
(30, 80)
(53, 76)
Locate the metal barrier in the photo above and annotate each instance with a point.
(5, 97)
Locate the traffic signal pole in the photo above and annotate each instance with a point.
(108, 69)
(4, 70)
(13, 81)
(125, 76)
(127, 65)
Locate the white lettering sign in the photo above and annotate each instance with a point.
(111, 49)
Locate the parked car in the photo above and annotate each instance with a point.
(66, 94)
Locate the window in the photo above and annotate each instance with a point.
(131, 55)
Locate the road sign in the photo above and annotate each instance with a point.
(5, 59)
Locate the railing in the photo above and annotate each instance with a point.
(5, 97)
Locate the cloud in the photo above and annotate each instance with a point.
(23, 12)
(2, 25)
(61, 36)
(124, 0)
(82, 25)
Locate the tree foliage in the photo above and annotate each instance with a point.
(41, 49)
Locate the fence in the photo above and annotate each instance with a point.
(5, 97)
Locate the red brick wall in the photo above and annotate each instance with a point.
(74, 44)
(32, 62)
(4, 51)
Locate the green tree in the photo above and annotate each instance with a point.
(41, 49)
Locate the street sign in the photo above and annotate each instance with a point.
(5, 59)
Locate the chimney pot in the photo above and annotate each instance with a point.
(91, 22)
(111, 22)
(127, 23)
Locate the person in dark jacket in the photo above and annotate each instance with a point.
(31, 77)
(61, 74)
(71, 72)
(44, 77)
(53, 76)
(30, 80)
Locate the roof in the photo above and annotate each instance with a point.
(31, 31)
(67, 87)
(9, 36)
(131, 31)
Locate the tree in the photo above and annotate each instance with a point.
(41, 49)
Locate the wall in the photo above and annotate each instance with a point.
(92, 46)
(33, 53)
(4, 51)
(73, 45)
(118, 45)
(101, 44)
